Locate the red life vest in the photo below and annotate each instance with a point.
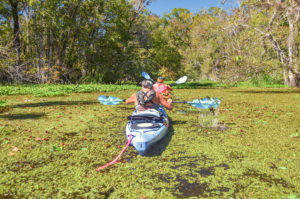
(160, 88)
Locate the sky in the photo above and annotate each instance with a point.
(160, 7)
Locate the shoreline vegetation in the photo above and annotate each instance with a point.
(47, 90)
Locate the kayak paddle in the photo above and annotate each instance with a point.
(110, 100)
(147, 76)
(179, 81)
(203, 103)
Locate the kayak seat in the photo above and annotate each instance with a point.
(148, 112)
(137, 126)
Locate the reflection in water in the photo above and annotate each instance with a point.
(208, 117)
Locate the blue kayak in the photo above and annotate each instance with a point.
(147, 127)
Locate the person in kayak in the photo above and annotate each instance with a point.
(147, 98)
(162, 88)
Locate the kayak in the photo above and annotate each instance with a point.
(147, 127)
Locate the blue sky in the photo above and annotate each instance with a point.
(159, 7)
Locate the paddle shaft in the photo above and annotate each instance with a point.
(176, 102)
(181, 102)
(173, 94)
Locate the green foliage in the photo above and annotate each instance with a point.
(3, 102)
(113, 41)
(265, 80)
(60, 90)
(293, 196)
(49, 90)
(3, 108)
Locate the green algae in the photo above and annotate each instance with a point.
(244, 160)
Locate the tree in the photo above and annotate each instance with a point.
(283, 15)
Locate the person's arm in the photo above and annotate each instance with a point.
(163, 102)
(169, 88)
(131, 99)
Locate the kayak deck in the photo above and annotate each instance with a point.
(146, 127)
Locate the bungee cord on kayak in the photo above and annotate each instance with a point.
(116, 159)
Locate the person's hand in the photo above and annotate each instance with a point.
(169, 101)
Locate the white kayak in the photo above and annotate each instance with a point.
(146, 128)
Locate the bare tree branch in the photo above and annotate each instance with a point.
(272, 19)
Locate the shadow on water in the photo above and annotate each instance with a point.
(6, 197)
(86, 189)
(263, 177)
(290, 91)
(56, 103)
(195, 189)
(190, 189)
(157, 148)
(186, 184)
(107, 193)
(185, 188)
(270, 180)
(178, 122)
(71, 134)
(22, 116)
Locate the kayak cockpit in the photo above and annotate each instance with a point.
(146, 127)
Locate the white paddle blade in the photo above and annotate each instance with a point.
(181, 80)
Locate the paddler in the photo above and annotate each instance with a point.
(147, 98)
(162, 88)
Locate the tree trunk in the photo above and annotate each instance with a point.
(291, 44)
(41, 40)
(292, 79)
(66, 36)
(50, 48)
(285, 76)
(38, 55)
(27, 18)
(17, 44)
(64, 47)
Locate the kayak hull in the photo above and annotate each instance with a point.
(147, 128)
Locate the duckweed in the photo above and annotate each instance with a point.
(51, 147)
